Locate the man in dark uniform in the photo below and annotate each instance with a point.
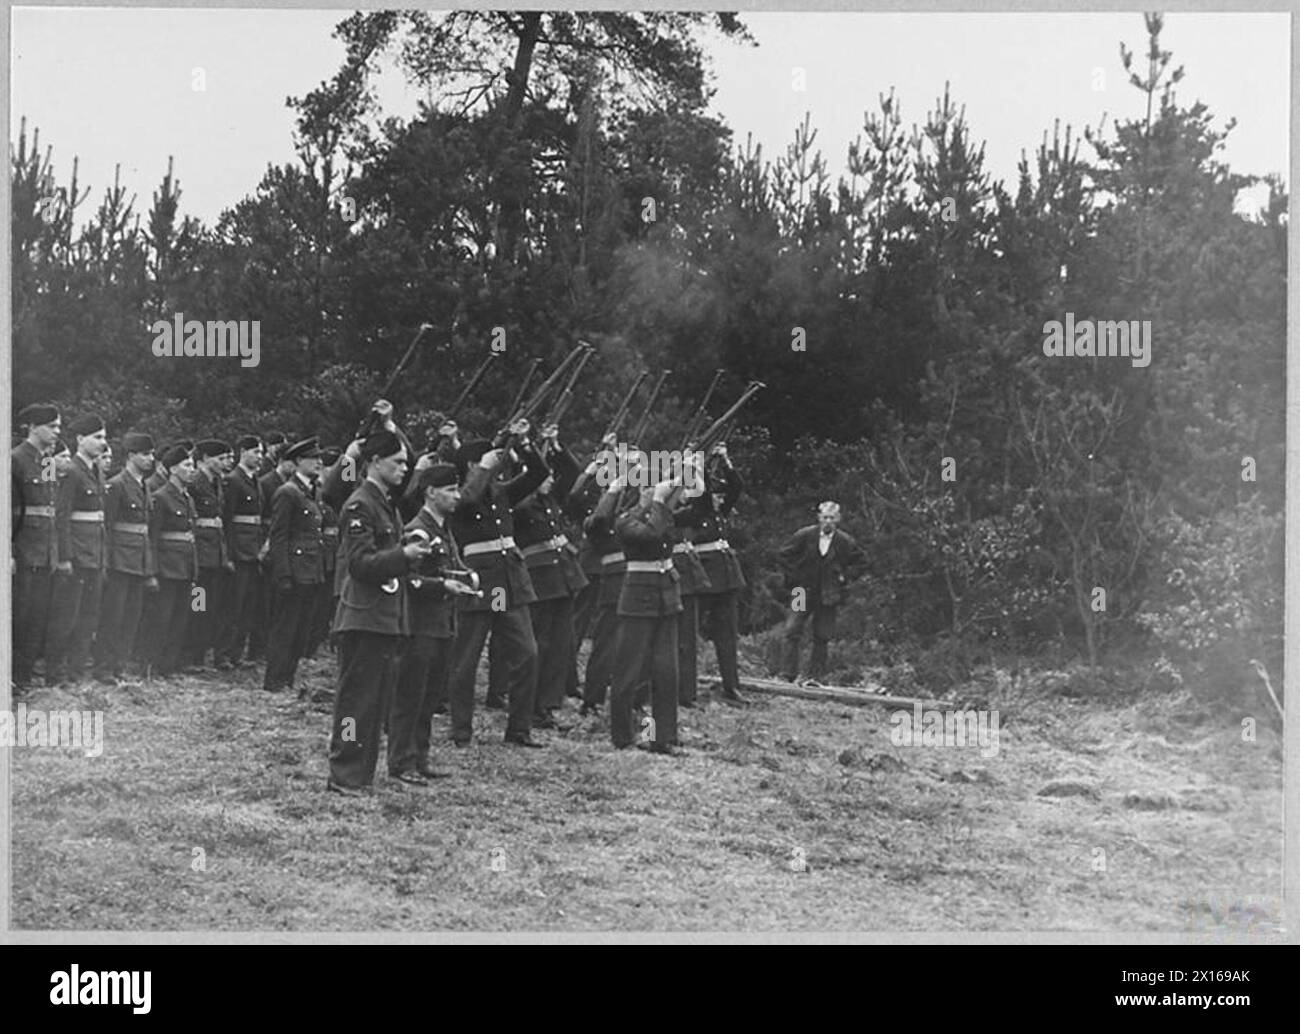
(171, 531)
(579, 505)
(484, 528)
(280, 470)
(599, 531)
(79, 523)
(372, 616)
(241, 519)
(35, 544)
(553, 568)
(704, 519)
(648, 610)
(426, 659)
(694, 581)
(130, 559)
(820, 561)
(297, 564)
(207, 621)
(326, 601)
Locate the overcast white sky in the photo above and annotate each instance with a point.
(115, 85)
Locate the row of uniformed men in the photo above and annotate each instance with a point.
(179, 543)
(472, 542)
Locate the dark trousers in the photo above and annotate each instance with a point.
(719, 621)
(74, 616)
(553, 629)
(322, 615)
(518, 658)
(823, 631)
(119, 618)
(33, 588)
(243, 610)
(688, 628)
(421, 683)
(600, 664)
(163, 641)
(207, 622)
(497, 667)
(584, 610)
(647, 649)
(265, 609)
(294, 610)
(367, 674)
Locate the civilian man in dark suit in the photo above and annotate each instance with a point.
(820, 561)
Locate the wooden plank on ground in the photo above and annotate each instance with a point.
(854, 696)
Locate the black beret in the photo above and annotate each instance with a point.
(86, 424)
(308, 448)
(210, 447)
(174, 454)
(275, 438)
(247, 441)
(381, 443)
(440, 475)
(329, 455)
(136, 441)
(38, 414)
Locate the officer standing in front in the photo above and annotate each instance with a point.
(35, 545)
(372, 616)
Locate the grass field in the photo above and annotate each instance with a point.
(207, 811)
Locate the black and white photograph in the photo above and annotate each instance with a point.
(613, 473)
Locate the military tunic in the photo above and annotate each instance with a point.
(426, 660)
(296, 555)
(35, 552)
(130, 566)
(370, 622)
(241, 519)
(483, 526)
(647, 632)
(171, 531)
(79, 524)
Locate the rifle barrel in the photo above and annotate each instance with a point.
(644, 422)
(472, 386)
(719, 427)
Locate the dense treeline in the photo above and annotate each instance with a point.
(567, 181)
